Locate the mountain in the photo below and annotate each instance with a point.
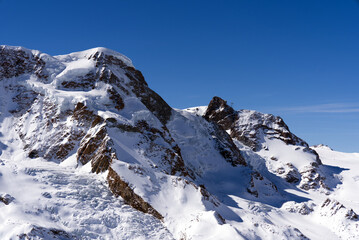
(89, 151)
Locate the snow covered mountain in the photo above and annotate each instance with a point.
(89, 151)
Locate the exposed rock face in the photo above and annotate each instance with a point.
(259, 185)
(42, 233)
(172, 156)
(84, 118)
(96, 147)
(116, 98)
(312, 178)
(226, 147)
(301, 208)
(121, 188)
(289, 173)
(248, 126)
(148, 97)
(219, 112)
(137, 84)
(15, 61)
(224, 119)
(331, 207)
(23, 99)
(254, 129)
(169, 153)
(64, 137)
(81, 83)
(6, 198)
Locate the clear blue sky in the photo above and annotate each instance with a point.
(298, 59)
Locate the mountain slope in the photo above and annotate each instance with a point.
(89, 151)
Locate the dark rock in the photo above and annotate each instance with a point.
(34, 154)
(46, 195)
(312, 178)
(300, 235)
(219, 112)
(333, 207)
(258, 182)
(122, 188)
(351, 215)
(226, 147)
(222, 118)
(292, 176)
(116, 98)
(137, 84)
(305, 209)
(15, 61)
(81, 83)
(66, 138)
(23, 99)
(301, 208)
(82, 114)
(250, 132)
(280, 170)
(148, 97)
(85, 119)
(6, 198)
(96, 148)
(219, 218)
(97, 120)
(42, 233)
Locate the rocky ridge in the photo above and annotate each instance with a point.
(256, 130)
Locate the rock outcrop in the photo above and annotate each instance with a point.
(6, 198)
(331, 207)
(122, 188)
(249, 127)
(254, 130)
(43, 233)
(15, 61)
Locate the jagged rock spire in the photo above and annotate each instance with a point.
(220, 112)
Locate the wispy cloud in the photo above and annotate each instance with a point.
(325, 108)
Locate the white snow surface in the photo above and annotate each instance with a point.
(90, 52)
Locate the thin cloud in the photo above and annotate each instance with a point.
(325, 108)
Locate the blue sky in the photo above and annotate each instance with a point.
(298, 59)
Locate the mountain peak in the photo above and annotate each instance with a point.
(15, 61)
(97, 52)
(322, 146)
(217, 103)
(219, 111)
(17, 49)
